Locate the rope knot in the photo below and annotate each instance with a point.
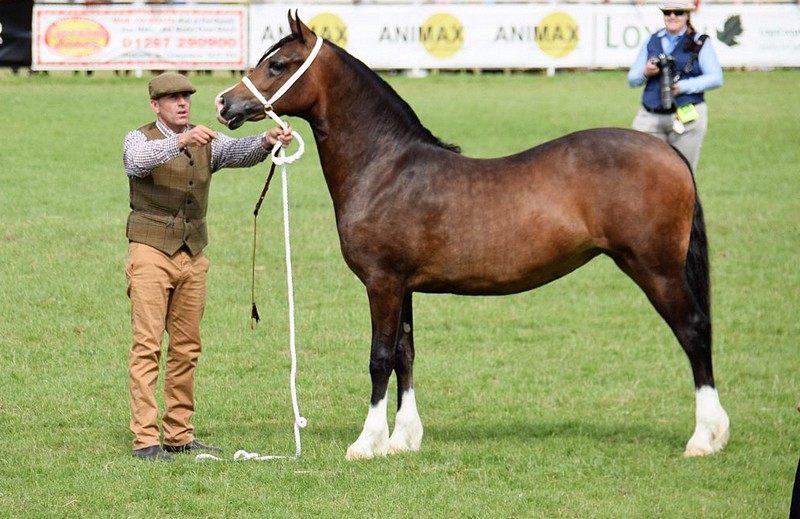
(279, 152)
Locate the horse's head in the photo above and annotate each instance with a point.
(276, 83)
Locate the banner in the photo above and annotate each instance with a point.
(441, 36)
(401, 36)
(525, 36)
(154, 37)
(15, 33)
(743, 35)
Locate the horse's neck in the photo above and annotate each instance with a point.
(357, 126)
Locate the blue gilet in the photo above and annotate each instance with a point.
(651, 97)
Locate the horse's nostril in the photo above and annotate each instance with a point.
(219, 104)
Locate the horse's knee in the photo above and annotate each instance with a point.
(381, 364)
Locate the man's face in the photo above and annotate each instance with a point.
(173, 109)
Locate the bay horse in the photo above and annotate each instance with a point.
(415, 215)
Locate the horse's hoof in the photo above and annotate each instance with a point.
(715, 444)
(695, 452)
(356, 452)
(354, 455)
(399, 449)
(720, 440)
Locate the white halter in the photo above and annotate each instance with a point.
(282, 159)
(285, 87)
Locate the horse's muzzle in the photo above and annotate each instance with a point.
(219, 104)
(234, 114)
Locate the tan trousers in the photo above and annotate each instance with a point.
(166, 293)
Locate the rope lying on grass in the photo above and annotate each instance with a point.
(279, 157)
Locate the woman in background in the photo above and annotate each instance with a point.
(675, 110)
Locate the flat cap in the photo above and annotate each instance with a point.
(676, 6)
(170, 83)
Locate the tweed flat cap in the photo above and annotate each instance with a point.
(170, 83)
(676, 6)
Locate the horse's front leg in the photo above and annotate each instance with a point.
(407, 434)
(385, 309)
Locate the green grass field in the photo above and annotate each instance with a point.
(570, 401)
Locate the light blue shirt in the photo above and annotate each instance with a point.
(710, 78)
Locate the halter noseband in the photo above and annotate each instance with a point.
(285, 87)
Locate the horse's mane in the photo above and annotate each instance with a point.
(398, 104)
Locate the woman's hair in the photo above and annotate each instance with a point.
(690, 32)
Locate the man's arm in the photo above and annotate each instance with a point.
(141, 156)
(228, 152)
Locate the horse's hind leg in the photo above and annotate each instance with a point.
(692, 327)
(674, 301)
(407, 434)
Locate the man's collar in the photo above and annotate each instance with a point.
(166, 130)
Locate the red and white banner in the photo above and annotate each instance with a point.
(156, 37)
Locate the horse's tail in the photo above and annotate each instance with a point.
(696, 268)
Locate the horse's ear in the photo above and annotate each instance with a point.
(303, 30)
(292, 23)
(298, 27)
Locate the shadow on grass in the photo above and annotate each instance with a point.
(615, 432)
(556, 434)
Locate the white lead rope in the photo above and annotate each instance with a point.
(279, 158)
(299, 421)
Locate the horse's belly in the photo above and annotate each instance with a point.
(501, 275)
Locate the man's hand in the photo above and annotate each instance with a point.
(197, 136)
(275, 135)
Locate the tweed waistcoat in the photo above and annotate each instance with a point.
(168, 207)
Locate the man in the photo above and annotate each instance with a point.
(169, 163)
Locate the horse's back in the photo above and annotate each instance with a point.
(604, 175)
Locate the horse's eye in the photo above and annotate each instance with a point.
(276, 68)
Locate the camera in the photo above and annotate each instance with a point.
(666, 64)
